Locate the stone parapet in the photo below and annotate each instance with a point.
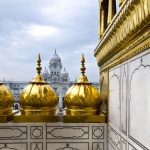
(53, 136)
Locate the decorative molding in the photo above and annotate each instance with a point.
(124, 76)
(114, 103)
(130, 147)
(67, 132)
(97, 132)
(13, 146)
(111, 146)
(13, 132)
(37, 146)
(130, 28)
(123, 144)
(8, 148)
(141, 65)
(134, 71)
(67, 146)
(97, 146)
(36, 132)
(114, 137)
(55, 136)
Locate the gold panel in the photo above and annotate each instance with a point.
(85, 119)
(126, 36)
(8, 117)
(104, 91)
(35, 118)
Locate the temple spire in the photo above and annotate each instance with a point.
(38, 67)
(82, 65)
(55, 52)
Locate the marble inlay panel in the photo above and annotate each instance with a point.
(131, 148)
(37, 146)
(67, 132)
(123, 144)
(114, 137)
(114, 98)
(13, 146)
(36, 132)
(110, 147)
(139, 100)
(98, 132)
(124, 98)
(97, 146)
(68, 146)
(13, 132)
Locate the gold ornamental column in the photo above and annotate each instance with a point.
(111, 10)
(102, 29)
(103, 4)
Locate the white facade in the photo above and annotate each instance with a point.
(129, 119)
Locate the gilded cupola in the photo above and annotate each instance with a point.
(38, 98)
(6, 100)
(82, 98)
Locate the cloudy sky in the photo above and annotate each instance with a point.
(28, 27)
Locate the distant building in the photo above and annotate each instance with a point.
(16, 88)
(59, 79)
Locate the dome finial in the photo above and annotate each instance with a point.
(82, 65)
(55, 51)
(39, 68)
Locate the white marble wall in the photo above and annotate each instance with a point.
(129, 104)
(53, 136)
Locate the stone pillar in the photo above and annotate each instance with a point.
(111, 10)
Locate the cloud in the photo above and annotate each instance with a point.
(41, 32)
(30, 27)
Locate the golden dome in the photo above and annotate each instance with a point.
(82, 98)
(38, 97)
(6, 100)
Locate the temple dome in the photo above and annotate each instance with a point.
(55, 58)
(38, 97)
(82, 98)
(6, 99)
(64, 72)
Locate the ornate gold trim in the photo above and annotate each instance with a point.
(129, 28)
(130, 51)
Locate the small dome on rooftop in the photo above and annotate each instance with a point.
(82, 98)
(38, 97)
